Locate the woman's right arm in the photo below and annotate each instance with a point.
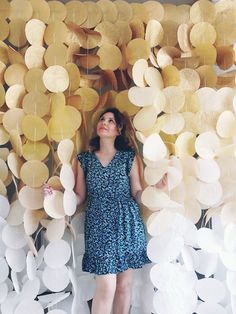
(80, 184)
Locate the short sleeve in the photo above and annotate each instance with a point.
(83, 159)
(130, 159)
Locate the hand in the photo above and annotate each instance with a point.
(47, 190)
(162, 183)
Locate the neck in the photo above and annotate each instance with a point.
(107, 145)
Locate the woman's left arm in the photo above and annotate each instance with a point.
(135, 182)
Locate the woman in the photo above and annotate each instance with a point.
(115, 243)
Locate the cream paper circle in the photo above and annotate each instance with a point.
(56, 79)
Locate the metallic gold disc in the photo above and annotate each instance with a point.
(170, 33)
(89, 98)
(206, 53)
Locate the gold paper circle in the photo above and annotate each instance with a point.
(94, 14)
(4, 28)
(202, 11)
(76, 12)
(15, 74)
(57, 11)
(36, 103)
(12, 119)
(34, 80)
(17, 33)
(21, 9)
(41, 10)
(5, 9)
(110, 57)
(125, 12)
(74, 76)
(123, 104)
(89, 98)
(55, 55)
(35, 150)
(109, 10)
(109, 32)
(2, 95)
(137, 49)
(207, 75)
(155, 10)
(34, 173)
(55, 32)
(202, 33)
(34, 127)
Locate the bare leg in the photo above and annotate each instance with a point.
(104, 294)
(122, 300)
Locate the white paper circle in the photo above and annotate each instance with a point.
(29, 306)
(207, 308)
(65, 150)
(177, 302)
(209, 194)
(164, 248)
(57, 254)
(53, 205)
(16, 259)
(15, 217)
(206, 144)
(229, 260)
(225, 126)
(30, 289)
(14, 236)
(31, 266)
(56, 279)
(67, 177)
(55, 229)
(4, 206)
(86, 285)
(3, 291)
(231, 281)
(210, 290)
(142, 96)
(69, 202)
(154, 148)
(207, 264)
(207, 170)
(56, 78)
(209, 241)
(10, 303)
(4, 270)
(230, 237)
(56, 311)
(173, 123)
(145, 118)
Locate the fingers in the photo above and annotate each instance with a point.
(47, 190)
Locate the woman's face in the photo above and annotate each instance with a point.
(107, 126)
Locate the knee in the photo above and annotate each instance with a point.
(106, 291)
(123, 287)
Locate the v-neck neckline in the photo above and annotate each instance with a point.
(113, 158)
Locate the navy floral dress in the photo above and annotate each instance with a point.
(114, 231)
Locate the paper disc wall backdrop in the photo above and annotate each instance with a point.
(171, 69)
